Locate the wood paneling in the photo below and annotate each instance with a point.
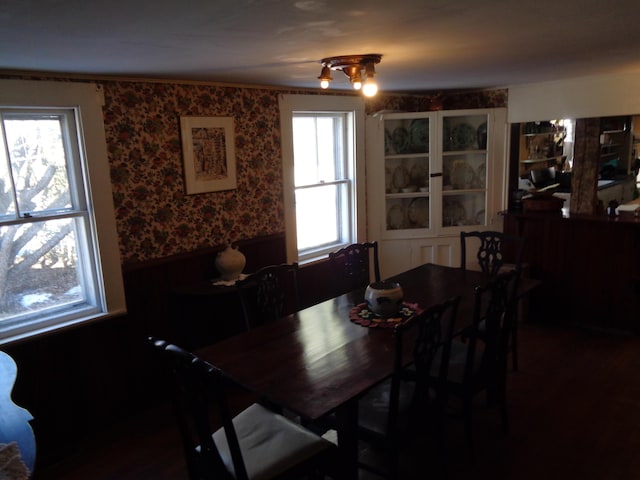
(84, 378)
(589, 266)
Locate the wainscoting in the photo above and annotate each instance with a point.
(83, 379)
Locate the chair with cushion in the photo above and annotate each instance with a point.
(479, 353)
(255, 444)
(495, 252)
(413, 399)
(268, 294)
(354, 265)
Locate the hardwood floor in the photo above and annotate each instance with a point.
(574, 405)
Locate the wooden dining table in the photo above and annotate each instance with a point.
(318, 361)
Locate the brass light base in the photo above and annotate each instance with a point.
(350, 61)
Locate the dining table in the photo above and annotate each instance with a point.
(320, 360)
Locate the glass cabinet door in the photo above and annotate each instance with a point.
(464, 170)
(407, 171)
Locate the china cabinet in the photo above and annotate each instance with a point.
(431, 175)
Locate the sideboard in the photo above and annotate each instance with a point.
(589, 266)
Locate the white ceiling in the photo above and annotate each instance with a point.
(426, 45)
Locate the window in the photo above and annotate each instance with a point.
(323, 158)
(59, 260)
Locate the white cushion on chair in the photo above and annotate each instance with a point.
(270, 443)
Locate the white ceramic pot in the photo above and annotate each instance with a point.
(384, 298)
(230, 262)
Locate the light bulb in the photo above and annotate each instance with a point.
(370, 88)
(325, 77)
(357, 84)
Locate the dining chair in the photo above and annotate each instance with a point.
(269, 294)
(353, 265)
(412, 399)
(257, 443)
(479, 352)
(493, 250)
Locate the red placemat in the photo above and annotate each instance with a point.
(362, 315)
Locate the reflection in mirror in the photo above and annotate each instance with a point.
(594, 160)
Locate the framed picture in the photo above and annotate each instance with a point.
(208, 148)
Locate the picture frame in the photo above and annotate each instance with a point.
(208, 150)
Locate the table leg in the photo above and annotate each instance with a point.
(347, 428)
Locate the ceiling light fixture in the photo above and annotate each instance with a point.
(352, 66)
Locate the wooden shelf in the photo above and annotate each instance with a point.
(540, 160)
(538, 134)
(538, 149)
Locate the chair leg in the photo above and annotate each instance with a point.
(500, 396)
(394, 462)
(504, 412)
(520, 317)
(514, 345)
(440, 438)
(467, 408)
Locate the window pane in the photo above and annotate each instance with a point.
(7, 203)
(317, 149)
(42, 272)
(316, 216)
(38, 163)
(327, 150)
(305, 150)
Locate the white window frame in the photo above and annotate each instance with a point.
(290, 104)
(87, 101)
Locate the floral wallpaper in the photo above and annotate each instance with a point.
(155, 218)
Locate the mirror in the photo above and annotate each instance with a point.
(582, 157)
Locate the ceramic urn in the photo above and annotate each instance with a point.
(384, 298)
(230, 262)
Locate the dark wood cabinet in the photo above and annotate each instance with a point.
(589, 267)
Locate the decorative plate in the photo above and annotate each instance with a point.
(462, 175)
(418, 212)
(453, 213)
(400, 140)
(481, 133)
(419, 174)
(479, 218)
(463, 137)
(419, 135)
(388, 179)
(388, 142)
(361, 315)
(447, 139)
(481, 176)
(395, 218)
(400, 177)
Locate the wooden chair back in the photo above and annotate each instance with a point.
(430, 335)
(268, 294)
(413, 398)
(354, 265)
(196, 387)
(493, 317)
(495, 250)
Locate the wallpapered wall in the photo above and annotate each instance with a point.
(154, 216)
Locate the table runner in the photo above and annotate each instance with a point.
(362, 315)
